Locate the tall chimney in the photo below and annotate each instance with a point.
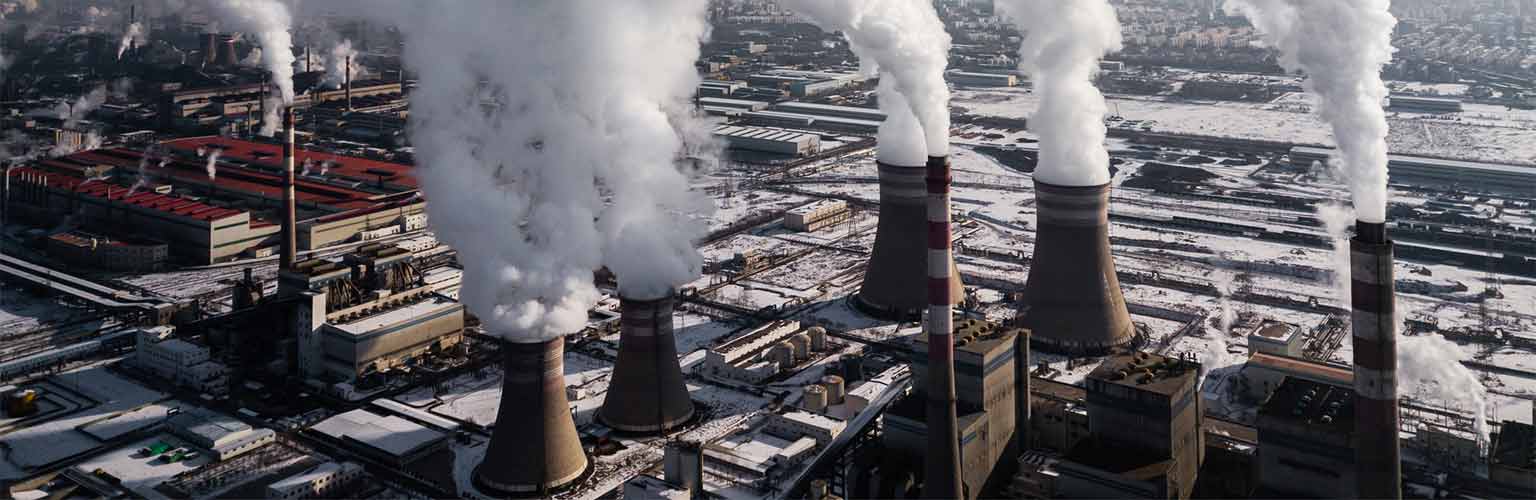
(646, 393)
(1072, 301)
(534, 447)
(309, 63)
(349, 83)
(895, 279)
(290, 248)
(1375, 344)
(210, 49)
(1021, 391)
(942, 478)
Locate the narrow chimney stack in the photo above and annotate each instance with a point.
(534, 449)
(1072, 299)
(1021, 395)
(1377, 454)
(646, 393)
(942, 477)
(290, 227)
(349, 83)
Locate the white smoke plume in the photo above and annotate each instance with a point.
(1063, 44)
(531, 114)
(1342, 47)
(268, 21)
(901, 135)
(907, 41)
(1429, 366)
(1336, 221)
(308, 167)
(135, 33)
(212, 166)
(252, 58)
(336, 68)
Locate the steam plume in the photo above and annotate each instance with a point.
(135, 33)
(906, 39)
(1061, 51)
(900, 136)
(531, 113)
(268, 21)
(213, 163)
(336, 69)
(1342, 47)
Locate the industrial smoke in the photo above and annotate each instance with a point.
(900, 135)
(1063, 44)
(213, 163)
(907, 41)
(561, 124)
(336, 64)
(135, 33)
(1342, 47)
(268, 21)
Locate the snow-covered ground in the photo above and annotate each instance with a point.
(102, 395)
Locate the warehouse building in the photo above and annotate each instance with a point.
(817, 216)
(1487, 175)
(828, 110)
(320, 481)
(122, 255)
(389, 439)
(969, 79)
(796, 120)
(1425, 104)
(806, 83)
(222, 435)
(740, 104)
(769, 140)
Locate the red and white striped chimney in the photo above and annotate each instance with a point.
(942, 477)
(290, 228)
(1374, 328)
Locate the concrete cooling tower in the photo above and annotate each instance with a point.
(896, 278)
(646, 393)
(1072, 301)
(534, 448)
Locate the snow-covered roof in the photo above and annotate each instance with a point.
(390, 434)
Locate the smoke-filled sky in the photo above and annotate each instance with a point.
(268, 22)
(907, 41)
(1342, 47)
(1063, 44)
(548, 138)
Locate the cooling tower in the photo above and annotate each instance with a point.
(942, 465)
(290, 248)
(210, 48)
(646, 393)
(227, 55)
(896, 279)
(534, 448)
(1072, 301)
(1375, 345)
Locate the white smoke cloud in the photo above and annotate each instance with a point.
(336, 68)
(1063, 44)
(135, 33)
(1342, 46)
(212, 166)
(530, 114)
(907, 41)
(900, 136)
(1429, 366)
(268, 21)
(252, 58)
(1336, 221)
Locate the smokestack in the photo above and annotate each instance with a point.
(290, 248)
(348, 71)
(942, 479)
(646, 393)
(1072, 301)
(534, 447)
(895, 280)
(1021, 394)
(1375, 344)
(309, 63)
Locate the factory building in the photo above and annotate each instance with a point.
(738, 104)
(1456, 172)
(817, 216)
(206, 107)
(79, 248)
(223, 436)
(805, 83)
(984, 389)
(320, 481)
(388, 439)
(830, 111)
(710, 88)
(1306, 437)
(207, 219)
(764, 352)
(1425, 104)
(793, 425)
(183, 363)
(968, 79)
(1276, 338)
(1512, 456)
(1145, 438)
(767, 140)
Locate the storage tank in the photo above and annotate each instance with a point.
(802, 343)
(783, 354)
(835, 389)
(818, 338)
(815, 398)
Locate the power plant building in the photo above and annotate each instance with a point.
(984, 388)
(969, 79)
(1145, 438)
(388, 439)
(817, 216)
(761, 353)
(1306, 434)
(767, 140)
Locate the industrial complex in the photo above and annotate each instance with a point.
(209, 292)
